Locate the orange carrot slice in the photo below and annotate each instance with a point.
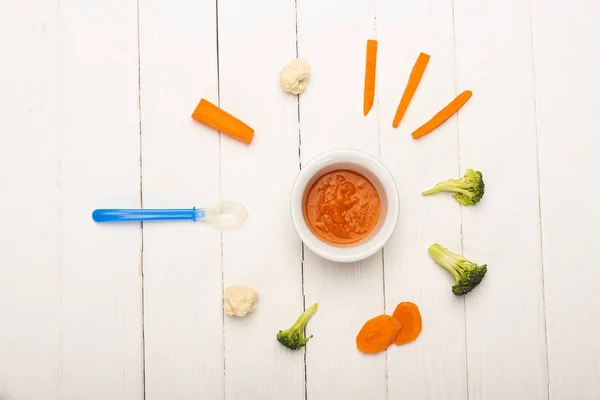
(213, 116)
(411, 87)
(378, 334)
(370, 68)
(443, 115)
(408, 315)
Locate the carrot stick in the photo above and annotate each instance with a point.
(411, 87)
(409, 316)
(443, 115)
(370, 68)
(213, 116)
(378, 334)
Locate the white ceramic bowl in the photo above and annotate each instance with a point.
(373, 170)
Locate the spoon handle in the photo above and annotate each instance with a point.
(122, 215)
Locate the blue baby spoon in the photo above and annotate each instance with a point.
(224, 214)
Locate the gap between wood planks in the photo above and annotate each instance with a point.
(379, 148)
(537, 162)
(462, 247)
(300, 167)
(221, 196)
(141, 141)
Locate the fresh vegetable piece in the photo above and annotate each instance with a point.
(443, 114)
(466, 273)
(378, 334)
(411, 87)
(409, 316)
(213, 116)
(294, 337)
(370, 69)
(468, 190)
(239, 300)
(294, 76)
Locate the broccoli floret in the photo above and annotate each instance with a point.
(467, 274)
(468, 190)
(294, 337)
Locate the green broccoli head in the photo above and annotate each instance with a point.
(294, 337)
(467, 190)
(466, 273)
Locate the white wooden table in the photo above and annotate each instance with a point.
(95, 104)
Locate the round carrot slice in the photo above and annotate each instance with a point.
(378, 334)
(409, 316)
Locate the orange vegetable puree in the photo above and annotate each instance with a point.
(342, 207)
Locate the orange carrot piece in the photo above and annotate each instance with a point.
(378, 334)
(370, 69)
(213, 116)
(411, 87)
(409, 316)
(443, 115)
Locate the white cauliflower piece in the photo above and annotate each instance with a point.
(294, 76)
(239, 300)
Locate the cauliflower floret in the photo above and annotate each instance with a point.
(239, 300)
(294, 76)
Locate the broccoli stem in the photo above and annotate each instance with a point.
(304, 317)
(446, 259)
(452, 185)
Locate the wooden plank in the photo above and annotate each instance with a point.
(332, 37)
(567, 60)
(101, 287)
(421, 370)
(256, 39)
(182, 261)
(30, 274)
(497, 136)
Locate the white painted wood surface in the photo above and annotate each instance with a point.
(183, 329)
(95, 101)
(498, 136)
(410, 275)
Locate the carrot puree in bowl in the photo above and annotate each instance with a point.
(342, 207)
